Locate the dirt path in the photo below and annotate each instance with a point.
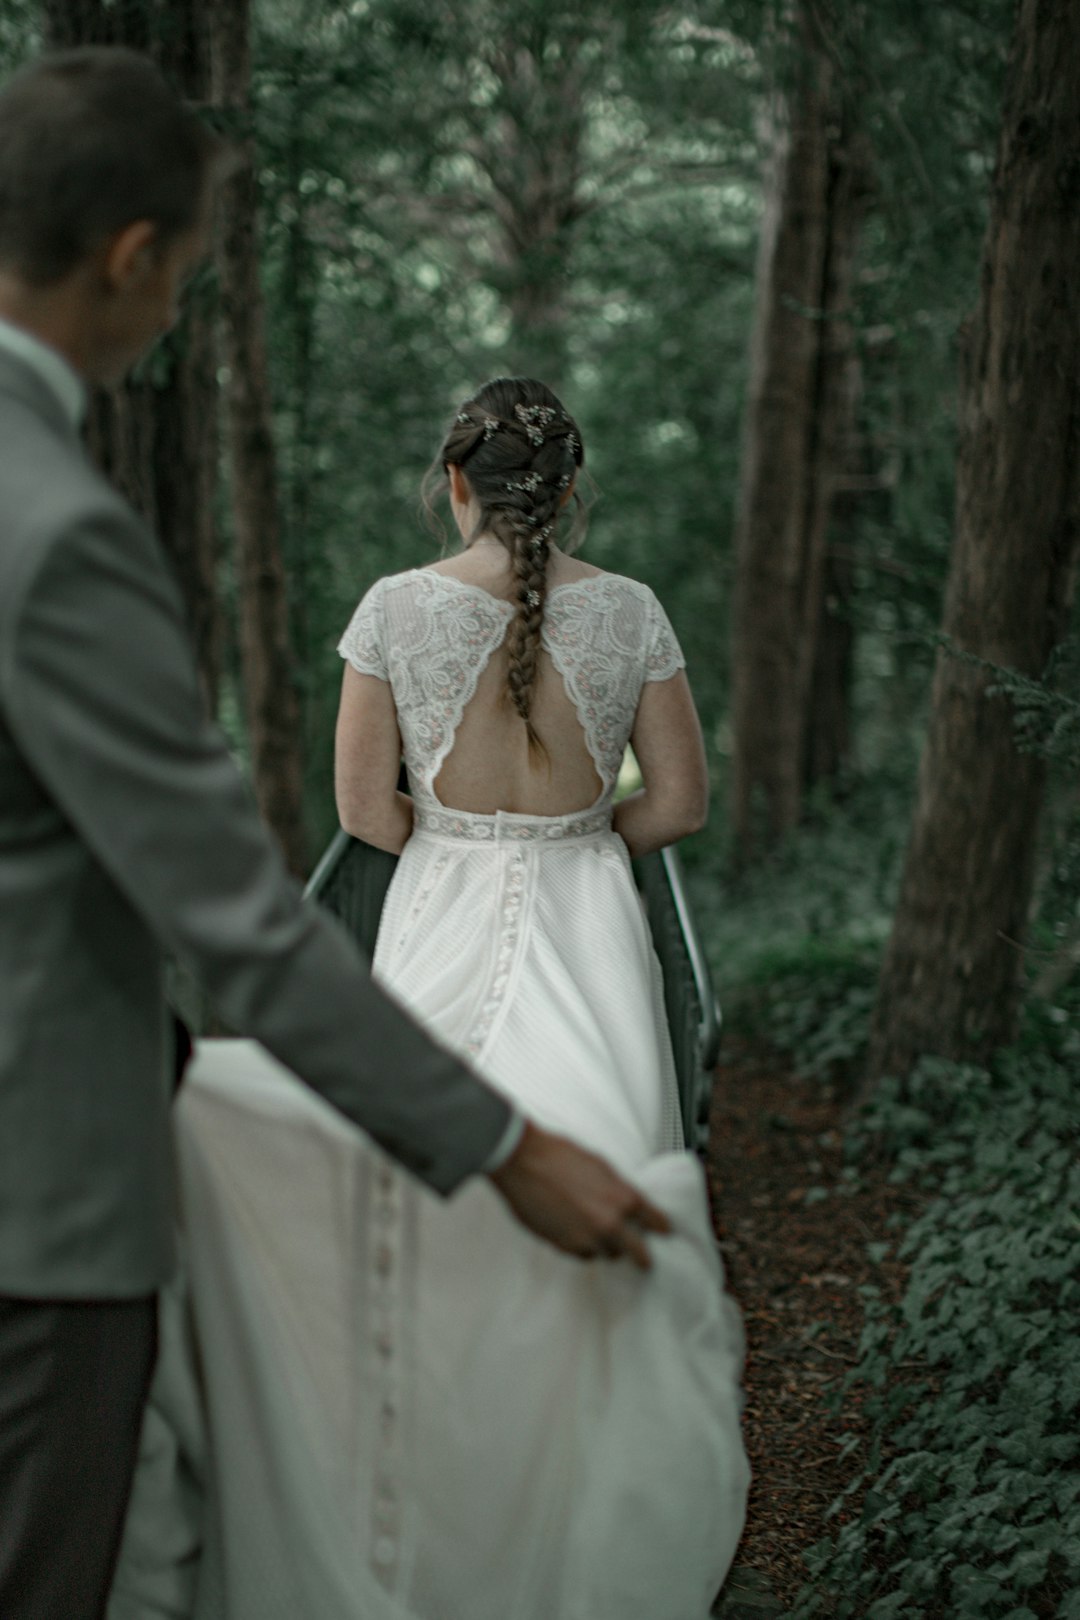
(794, 1230)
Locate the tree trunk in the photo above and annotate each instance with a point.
(533, 157)
(156, 436)
(951, 978)
(827, 646)
(95, 22)
(780, 511)
(307, 566)
(270, 695)
(827, 740)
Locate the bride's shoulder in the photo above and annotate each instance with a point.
(388, 583)
(427, 574)
(620, 585)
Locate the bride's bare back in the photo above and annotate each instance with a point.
(490, 766)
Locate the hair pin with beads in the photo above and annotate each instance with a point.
(534, 419)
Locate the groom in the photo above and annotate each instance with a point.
(126, 833)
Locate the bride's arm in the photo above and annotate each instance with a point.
(668, 746)
(367, 762)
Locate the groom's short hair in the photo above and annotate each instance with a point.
(92, 140)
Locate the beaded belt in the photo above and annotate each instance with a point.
(508, 827)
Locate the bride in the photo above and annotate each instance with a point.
(575, 1449)
(417, 1410)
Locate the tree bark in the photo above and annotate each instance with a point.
(827, 741)
(95, 22)
(305, 561)
(156, 435)
(532, 155)
(270, 695)
(827, 646)
(951, 977)
(781, 511)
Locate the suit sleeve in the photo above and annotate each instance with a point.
(100, 691)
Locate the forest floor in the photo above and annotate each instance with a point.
(793, 1232)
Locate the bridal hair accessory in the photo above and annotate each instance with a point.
(536, 544)
(491, 424)
(532, 598)
(534, 419)
(530, 483)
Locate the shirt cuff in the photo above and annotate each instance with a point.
(506, 1144)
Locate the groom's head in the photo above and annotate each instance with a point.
(105, 182)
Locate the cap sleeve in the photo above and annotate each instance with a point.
(364, 642)
(663, 655)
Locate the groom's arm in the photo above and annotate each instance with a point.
(98, 685)
(100, 689)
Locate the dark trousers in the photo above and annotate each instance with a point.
(73, 1381)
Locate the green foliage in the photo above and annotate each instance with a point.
(812, 1003)
(20, 33)
(794, 943)
(966, 1497)
(1047, 711)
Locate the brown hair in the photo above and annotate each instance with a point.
(92, 140)
(520, 450)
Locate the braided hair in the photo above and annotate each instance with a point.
(520, 451)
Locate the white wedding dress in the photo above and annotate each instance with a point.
(418, 1411)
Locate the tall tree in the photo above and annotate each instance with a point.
(798, 418)
(532, 154)
(506, 88)
(270, 695)
(950, 981)
(838, 474)
(156, 435)
(518, 132)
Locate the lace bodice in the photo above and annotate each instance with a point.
(431, 636)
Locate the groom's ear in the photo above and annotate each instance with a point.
(129, 254)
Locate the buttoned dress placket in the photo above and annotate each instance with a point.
(515, 854)
(392, 1237)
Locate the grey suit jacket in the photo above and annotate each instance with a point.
(127, 833)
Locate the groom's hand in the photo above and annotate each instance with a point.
(575, 1200)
